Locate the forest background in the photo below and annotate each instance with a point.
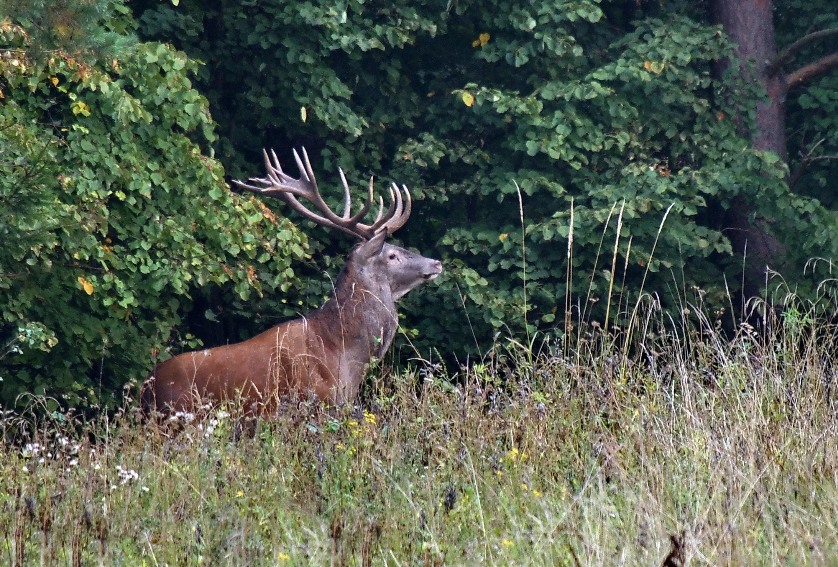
(700, 137)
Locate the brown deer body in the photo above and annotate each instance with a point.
(324, 354)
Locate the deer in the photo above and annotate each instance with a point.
(324, 354)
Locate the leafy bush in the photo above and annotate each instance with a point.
(112, 217)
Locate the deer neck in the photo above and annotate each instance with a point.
(366, 310)
(360, 321)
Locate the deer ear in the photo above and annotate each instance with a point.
(372, 247)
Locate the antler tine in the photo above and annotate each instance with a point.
(347, 199)
(395, 206)
(367, 204)
(347, 206)
(274, 169)
(400, 218)
(397, 214)
(312, 192)
(380, 209)
(273, 163)
(304, 167)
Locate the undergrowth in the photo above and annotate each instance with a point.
(594, 450)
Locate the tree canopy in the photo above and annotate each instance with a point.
(566, 157)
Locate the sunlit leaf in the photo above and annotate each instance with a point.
(481, 40)
(79, 107)
(654, 66)
(86, 285)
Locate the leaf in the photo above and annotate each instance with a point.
(303, 113)
(654, 66)
(468, 99)
(86, 285)
(481, 40)
(79, 107)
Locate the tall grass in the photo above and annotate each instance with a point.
(665, 440)
(597, 454)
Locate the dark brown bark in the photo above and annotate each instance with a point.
(750, 25)
(812, 70)
(793, 49)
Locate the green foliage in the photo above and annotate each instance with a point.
(603, 113)
(322, 72)
(601, 108)
(112, 218)
(812, 109)
(93, 29)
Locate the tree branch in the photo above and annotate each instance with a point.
(792, 49)
(807, 159)
(811, 70)
(804, 165)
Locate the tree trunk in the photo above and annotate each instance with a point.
(750, 25)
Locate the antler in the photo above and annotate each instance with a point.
(282, 186)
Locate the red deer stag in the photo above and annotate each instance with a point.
(323, 354)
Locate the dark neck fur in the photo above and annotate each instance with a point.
(365, 309)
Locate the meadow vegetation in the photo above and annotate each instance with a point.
(674, 439)
(668, 434)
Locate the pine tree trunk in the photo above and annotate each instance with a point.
(750, 25)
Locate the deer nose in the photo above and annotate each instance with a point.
(435, 270)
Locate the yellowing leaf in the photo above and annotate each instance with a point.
(468, 99)
(654, 66)
(503, 236)
(80, 107)
(54, 81)
(86, 285)
(303, 113)
(481, 40)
